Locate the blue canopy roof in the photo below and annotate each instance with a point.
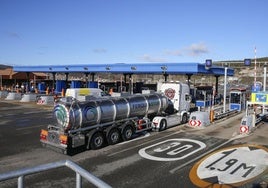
(135, 68)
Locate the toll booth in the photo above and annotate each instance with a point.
(76, 84)
(41, 87)
(204, 96)
(238, 97)
(60, 85)
(256, 111)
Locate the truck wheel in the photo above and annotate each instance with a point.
(97, 140)
(184, 119)
(162, 125)
(127, 132)
(113, 136)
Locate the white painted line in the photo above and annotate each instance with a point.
(7, 115)
(33, 112)
(31, 127)
(138, 138)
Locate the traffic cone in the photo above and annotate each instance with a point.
(211, 115)
(62, 92)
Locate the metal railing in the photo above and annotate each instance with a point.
(225, 114)
(67, 163)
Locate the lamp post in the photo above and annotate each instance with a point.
(164, 69)
(224, 90)
(1, 82)
(264, 76)
(264, 82)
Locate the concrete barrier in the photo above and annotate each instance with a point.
(199, 119)
(249, 123)
(3, 94)
(28, 97)
(13, 96)
(45, 100)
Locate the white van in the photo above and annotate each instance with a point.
(80, 93)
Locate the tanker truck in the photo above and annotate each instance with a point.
(108, 120)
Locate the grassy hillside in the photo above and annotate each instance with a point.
(239, 63)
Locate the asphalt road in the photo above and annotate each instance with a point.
(178, 157)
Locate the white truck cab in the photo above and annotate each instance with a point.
(179, 94)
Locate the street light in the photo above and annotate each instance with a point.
(264, 82)
(1, 82)
(224, 90)
(164, 69)
(264, 76)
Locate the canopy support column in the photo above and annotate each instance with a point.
(189, 78)
(86, 74)
(165, 76)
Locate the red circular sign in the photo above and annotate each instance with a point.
(170, 93)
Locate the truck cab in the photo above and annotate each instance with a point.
(179, 94)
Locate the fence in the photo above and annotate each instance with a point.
(67, 163)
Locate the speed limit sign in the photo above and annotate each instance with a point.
(172, 149)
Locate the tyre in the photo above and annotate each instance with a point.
(127, 132)
(97, 140)
(113, 136)
(184, 119)
(162, 125)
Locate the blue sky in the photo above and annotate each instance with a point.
(49, 32)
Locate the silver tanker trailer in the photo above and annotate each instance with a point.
(92, 123)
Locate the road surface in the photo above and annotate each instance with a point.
(178, 157)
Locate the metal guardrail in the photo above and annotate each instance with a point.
(224, 114)
(67, 163)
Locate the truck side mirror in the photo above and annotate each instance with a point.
(188, 97)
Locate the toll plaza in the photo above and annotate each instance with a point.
(213, 159)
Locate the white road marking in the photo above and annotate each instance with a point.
(172, 171)
(234, 165)
(172, 149)
(144, 143)
(31, 127)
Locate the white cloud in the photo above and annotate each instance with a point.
(13, 35)
(149, 58)
(196, 49)
(174, 52)
(99, 50)
(193, 50)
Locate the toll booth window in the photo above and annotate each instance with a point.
(200, 95)
(204, 93)
(244, 123)
(235, 98)
(193, 118)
